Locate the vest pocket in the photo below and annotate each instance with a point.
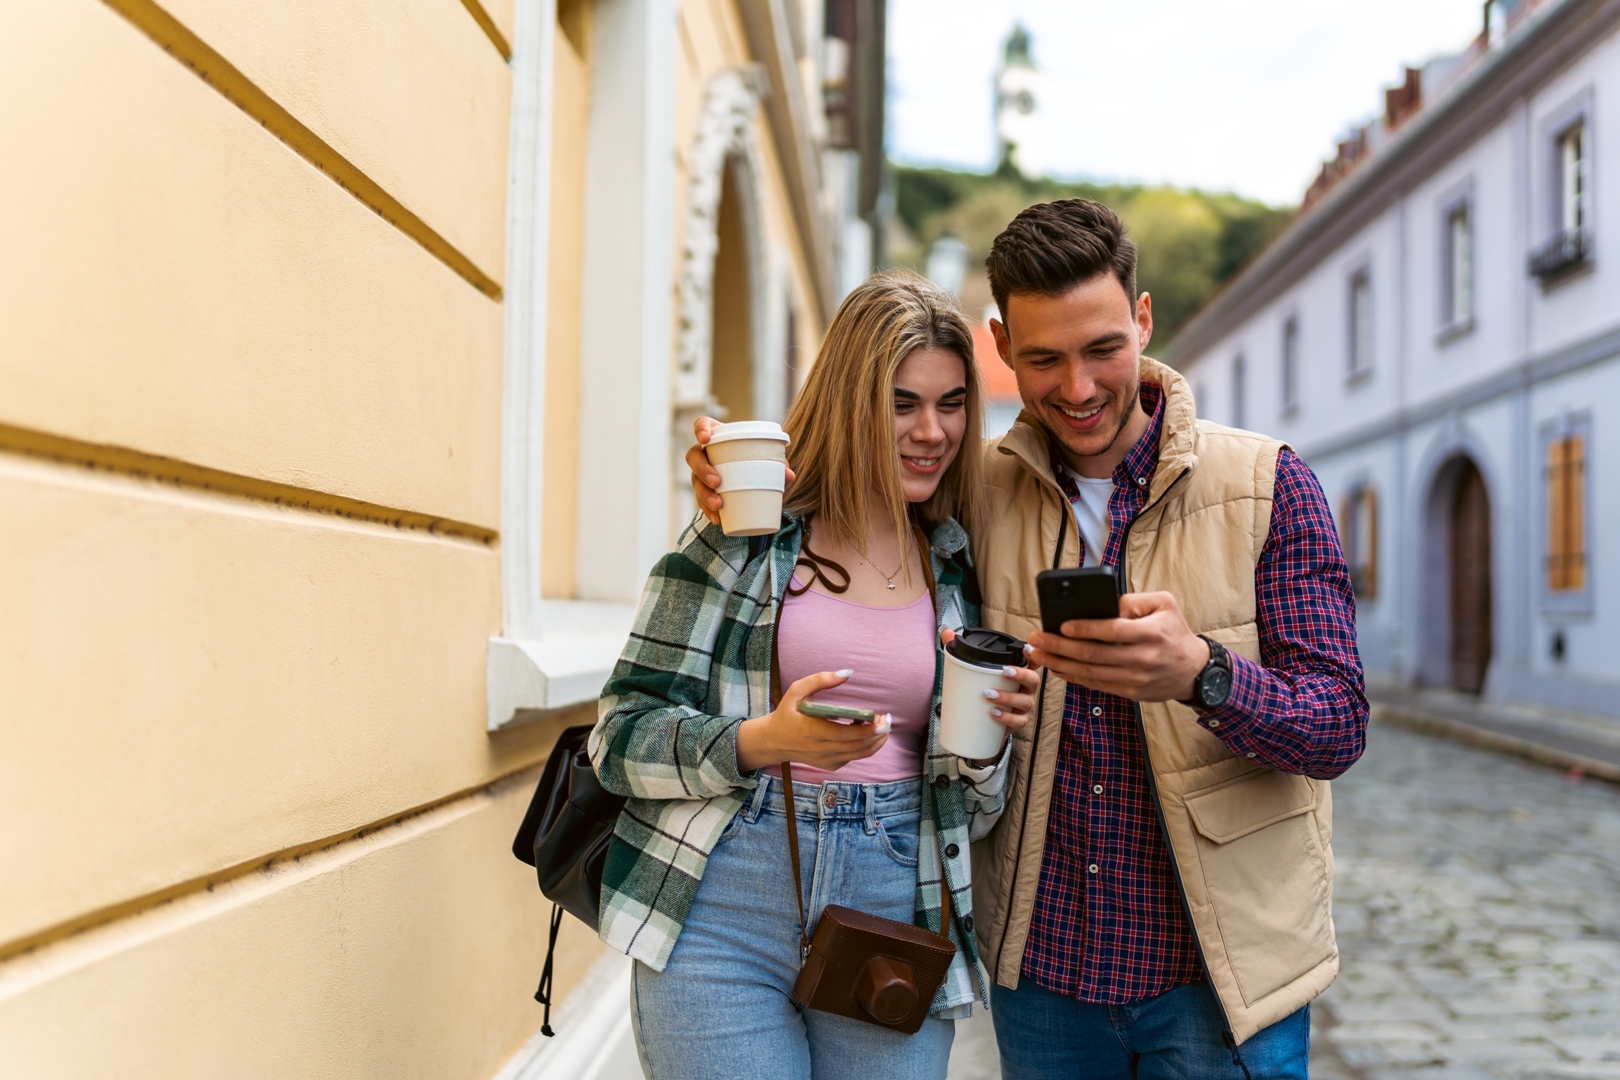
(1266, 878)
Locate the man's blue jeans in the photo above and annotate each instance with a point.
(1177, 1035)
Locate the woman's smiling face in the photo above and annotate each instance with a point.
(930, 418)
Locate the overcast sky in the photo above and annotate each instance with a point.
(1247, 96)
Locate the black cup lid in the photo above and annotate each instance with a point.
(977, 645)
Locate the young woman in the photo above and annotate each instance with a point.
(698, 886)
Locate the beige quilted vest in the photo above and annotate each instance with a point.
(1250, 844)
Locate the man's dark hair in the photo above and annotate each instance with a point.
(1054, 246)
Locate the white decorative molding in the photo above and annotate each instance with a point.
(523, 401)
(725, 139)
(594, 1040)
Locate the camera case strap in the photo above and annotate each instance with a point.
(868, 968)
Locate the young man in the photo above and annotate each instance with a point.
(1155, 901)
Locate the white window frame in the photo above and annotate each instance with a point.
(553, 655)
(1240, 390)
(1572, 148)
(1288, 364)
(1458, 292)
(1361, 328)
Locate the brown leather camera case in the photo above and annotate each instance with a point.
(873, 969)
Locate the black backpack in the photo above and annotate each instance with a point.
(565, 837)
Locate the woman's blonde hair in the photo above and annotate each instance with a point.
(844, 451)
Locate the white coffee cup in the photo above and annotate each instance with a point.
(973, 663)
(751, 458)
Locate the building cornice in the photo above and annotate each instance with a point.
(1553, 40)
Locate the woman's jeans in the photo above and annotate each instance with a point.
(1176, 1035)
(723, 1008)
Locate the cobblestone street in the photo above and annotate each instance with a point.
(1478, 910)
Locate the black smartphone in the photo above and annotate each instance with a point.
(1085, 592)
(837, 712)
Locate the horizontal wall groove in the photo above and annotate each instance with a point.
(207, 883)
(155, 467)
(219, 73)
(487, 25)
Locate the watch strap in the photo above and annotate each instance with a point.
(1218, 658)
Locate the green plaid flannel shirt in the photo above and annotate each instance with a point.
(697, 664)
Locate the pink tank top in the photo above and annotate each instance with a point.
(892, 652)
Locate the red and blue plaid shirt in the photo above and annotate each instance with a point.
(1108, 924)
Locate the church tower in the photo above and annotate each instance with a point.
(1020, 131)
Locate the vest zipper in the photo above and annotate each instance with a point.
(1065, 512)
(1158, 804)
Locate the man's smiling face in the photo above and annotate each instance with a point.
(1076, 357)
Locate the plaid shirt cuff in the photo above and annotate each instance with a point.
(1234, 719)
(988, 780)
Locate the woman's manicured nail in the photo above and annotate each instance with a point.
(993, 695)
(844, 673)
(1029, 650)
(1010, 672)
(995, 712)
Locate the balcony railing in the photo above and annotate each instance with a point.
(1562, 254)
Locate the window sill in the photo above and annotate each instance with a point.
(1454, 330)
(1573, 602)
(564, 666)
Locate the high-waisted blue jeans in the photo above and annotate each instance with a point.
(723, 1008)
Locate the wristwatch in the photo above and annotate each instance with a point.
(1214, 683)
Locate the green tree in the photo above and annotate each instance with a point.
(1190, 242)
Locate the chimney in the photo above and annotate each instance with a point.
(1404, 100)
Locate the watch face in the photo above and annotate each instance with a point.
(1215, 685)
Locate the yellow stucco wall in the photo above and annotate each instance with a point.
(251, 343)
(251, 362)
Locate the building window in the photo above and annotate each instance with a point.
(1566, 513)
(1570, 247)
(1572, 178)
(1358, 533)
(1290, 366)
(1361, 324)
(1457, 308)
(1239, 391)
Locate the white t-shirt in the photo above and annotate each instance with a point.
(1091, 514)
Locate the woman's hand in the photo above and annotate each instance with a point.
(1009, 708)
(705, 477)
(786, 734)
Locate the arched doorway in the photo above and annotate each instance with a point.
(1456, 595)
(1469, 578)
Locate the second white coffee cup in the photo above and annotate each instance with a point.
(973, 663)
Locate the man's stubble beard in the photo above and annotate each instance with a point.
(1124, 419)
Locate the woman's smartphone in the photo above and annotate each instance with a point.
(1087, 592)
(837, 712)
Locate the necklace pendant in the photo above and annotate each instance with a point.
(891, 585)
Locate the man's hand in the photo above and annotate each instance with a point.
(1149, 653)
(705, 477)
